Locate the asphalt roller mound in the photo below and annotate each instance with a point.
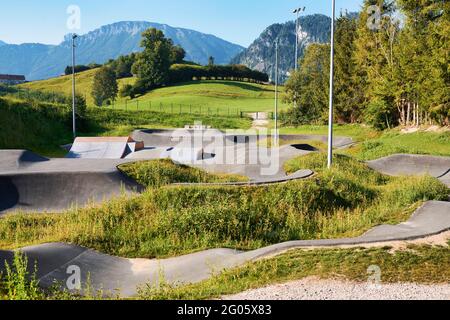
(32, 183)
(414, 165)
(54, 192)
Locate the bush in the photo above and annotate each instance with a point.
(127, 91)
(298, 116)
(81, 68)
(378, 114)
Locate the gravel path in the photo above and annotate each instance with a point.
(315, 289)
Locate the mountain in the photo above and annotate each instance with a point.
(39, 61)
(2, 43)
(261, 53)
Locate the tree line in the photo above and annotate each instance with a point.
(389, 71)
(184, 73)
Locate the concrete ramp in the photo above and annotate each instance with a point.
(103, 148)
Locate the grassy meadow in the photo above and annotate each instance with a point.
(200, 97)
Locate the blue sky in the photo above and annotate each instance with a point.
(238, 21)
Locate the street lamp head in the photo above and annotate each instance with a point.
(298, 10)
(74, 36)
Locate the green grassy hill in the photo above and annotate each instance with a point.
(39, 127)
(43, 127)
(197, 97)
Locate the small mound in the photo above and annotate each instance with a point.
(14, 159)
(20, 156)
(403, 164)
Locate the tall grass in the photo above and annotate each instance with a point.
(17, 283)
(164, 172)
(39, 127)
(172, 220)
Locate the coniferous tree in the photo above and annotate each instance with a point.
(347, 96)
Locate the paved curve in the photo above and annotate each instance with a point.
(31, 183)
(114, 275)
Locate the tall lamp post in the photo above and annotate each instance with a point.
(331, 112)
(74, 127)
(297, 12)
(297, 24)
(276, 93)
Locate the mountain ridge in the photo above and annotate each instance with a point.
(41, 61)
(260, 55)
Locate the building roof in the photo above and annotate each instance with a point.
(12, 77)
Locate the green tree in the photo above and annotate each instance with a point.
(152, 65)
(425, 64)
(375, 58)
(122, 66)
(347, 96)
(105, 86)
(211, 61)
(178, 55)
(308, 86)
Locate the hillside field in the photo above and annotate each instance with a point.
(212, 96)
